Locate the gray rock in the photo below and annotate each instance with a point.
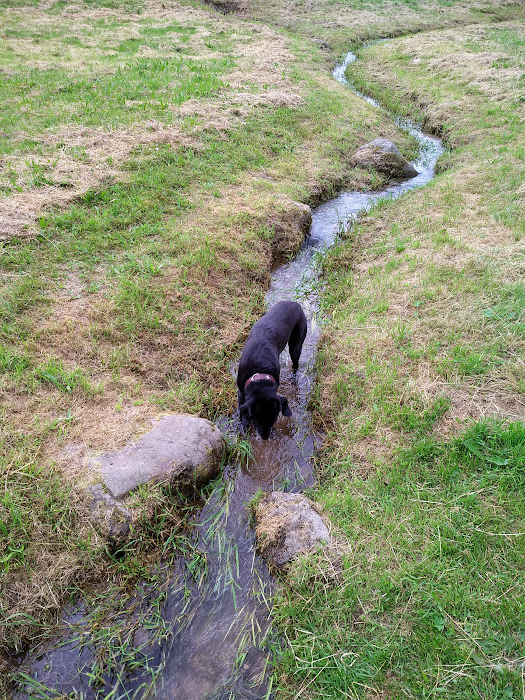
(384, 156)
(226, 6)
(287, 525)
(304, 216)
(184, 451)
(322, 43)
(112, 519)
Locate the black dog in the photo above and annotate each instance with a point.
(258, 375)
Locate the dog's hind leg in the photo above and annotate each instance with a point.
(295, 344)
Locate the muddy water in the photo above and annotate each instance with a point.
(201, 636)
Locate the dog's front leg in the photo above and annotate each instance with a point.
(240, 397)
(245, 415)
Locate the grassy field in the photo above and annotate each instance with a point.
(150, 159)
(421, 393)
(150, 154)
(340, 23)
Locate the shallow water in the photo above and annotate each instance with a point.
(213, 618)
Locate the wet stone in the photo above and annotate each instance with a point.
(111, 517)
(184, 451)
(287, 525)
(384, 156)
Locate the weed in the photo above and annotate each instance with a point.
(464, 362)
(55, 374)
(498, 445)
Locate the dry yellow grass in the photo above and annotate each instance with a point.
(338, 23)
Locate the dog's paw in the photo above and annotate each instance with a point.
(285, 409)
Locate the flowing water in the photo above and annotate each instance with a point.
(201, 636)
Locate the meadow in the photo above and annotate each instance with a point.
(150, 159)
(150, 155)
(421, 394)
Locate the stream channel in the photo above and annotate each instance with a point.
(202, 637)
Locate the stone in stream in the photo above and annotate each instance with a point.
(287, 525)
(384, 156)
(184, 451)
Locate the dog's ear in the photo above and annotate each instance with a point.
(285, 409)
(246, 414)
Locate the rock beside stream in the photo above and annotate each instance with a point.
(384, 156)
(226, 6)
(112, 519)
(184, 451)
(287, 525)
(322, 43)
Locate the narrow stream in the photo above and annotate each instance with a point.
(201, 637)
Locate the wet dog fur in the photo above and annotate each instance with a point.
(259, 402)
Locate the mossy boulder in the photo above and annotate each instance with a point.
(286, 526)
(385, 157)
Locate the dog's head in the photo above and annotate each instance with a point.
(262, 408)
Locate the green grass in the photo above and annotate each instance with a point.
(134, 299)
(127, 227)
(489, 134)
(426, 598)
(508, 311)
(54, 373)
(91, 77)
(124, 226)
(464, 362)
(421, 360)
(39, 100)
(29, 497)
(344, 24)
(375, 5)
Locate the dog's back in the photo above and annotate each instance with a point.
(283, 323)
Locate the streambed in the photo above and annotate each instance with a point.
(200, 636)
